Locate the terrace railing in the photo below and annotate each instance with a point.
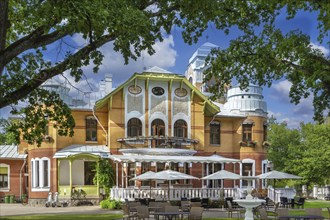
(173, 194)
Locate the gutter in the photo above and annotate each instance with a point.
(20, 179)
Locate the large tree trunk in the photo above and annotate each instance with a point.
(4, 24)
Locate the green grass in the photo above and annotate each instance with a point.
(67, 216)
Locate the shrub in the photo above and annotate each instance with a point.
(110, 204)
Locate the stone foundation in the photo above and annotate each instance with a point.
(72, 202)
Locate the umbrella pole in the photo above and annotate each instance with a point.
(274, 191)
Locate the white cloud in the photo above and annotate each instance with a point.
(113, 62)
(323, 49)
(274, 114)
(280, 91)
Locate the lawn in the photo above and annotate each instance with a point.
(67, 216)
(308, 204)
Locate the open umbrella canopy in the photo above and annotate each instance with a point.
(172, 175)
(222, 174)
(278, 175)
(145, 176)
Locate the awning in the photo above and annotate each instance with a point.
(173, 159)
(74, 150)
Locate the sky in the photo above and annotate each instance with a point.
(173, 54)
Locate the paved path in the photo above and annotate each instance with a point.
(19, 209)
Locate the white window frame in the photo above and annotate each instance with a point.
(7, 189)
(37, 180)
(253, 162)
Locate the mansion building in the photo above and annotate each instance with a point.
(155, 120)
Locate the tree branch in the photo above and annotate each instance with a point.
(46, 74)
(33, 40)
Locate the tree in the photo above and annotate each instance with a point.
(310, 159)
(267, 55)
(6, 136)
(304, 152)
(281, 138)
(104, 175)
(29, 28)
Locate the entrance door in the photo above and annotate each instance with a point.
(158, 130)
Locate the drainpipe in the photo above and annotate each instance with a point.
(20, 179)
(212, 119)
(106, 134)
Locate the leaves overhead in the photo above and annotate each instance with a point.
(30, 32)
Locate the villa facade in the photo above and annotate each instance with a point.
(156, 120)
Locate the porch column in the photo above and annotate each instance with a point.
(70, 170)
(122, 175)
(213, 181)
(98, 180)
(117, 175)
(203, 175)
(58, 175)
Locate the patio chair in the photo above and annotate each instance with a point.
(196, 213)
(142, 212)
(126, 213)
(195, 204)
(205, 203)
(284, 202)
(300, 202)
(231, 210)
(314, 211)
(185, 206)
(263, 215)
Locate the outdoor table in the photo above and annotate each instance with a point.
(300, 217)
(170, 215)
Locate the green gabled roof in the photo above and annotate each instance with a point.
(209, 108)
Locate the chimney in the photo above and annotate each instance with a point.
(108, 83)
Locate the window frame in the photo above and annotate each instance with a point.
(137, 126)
(247, 132)
(40, 172)
(178, 128)
(215, 125)
(91, 128)
(6, 189)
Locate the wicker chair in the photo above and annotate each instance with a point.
(142, 212)
(196, 213)
(126, 213)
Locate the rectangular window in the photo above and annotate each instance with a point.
(246, 171)
(89, 168)
(4, 177)
(40, 173)
(265, 132)
(37, 173)
(247, 132)
(91, 129)
(45, 173)
(215, 133)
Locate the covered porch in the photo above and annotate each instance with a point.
(76, 166)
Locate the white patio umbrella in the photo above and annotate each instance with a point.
(145, 176)
(277, 175)
(172, 175)
(222, 174)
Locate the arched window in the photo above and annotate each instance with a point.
(91, 129)
(180, 129)
(134, 127)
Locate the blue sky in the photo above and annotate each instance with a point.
(173, 54)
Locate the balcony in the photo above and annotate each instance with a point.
(159, 141)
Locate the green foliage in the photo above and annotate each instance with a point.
(304, 152)
(110, 204)
(105, 175)
(29, 30)
(268, 54)
(6, 136)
